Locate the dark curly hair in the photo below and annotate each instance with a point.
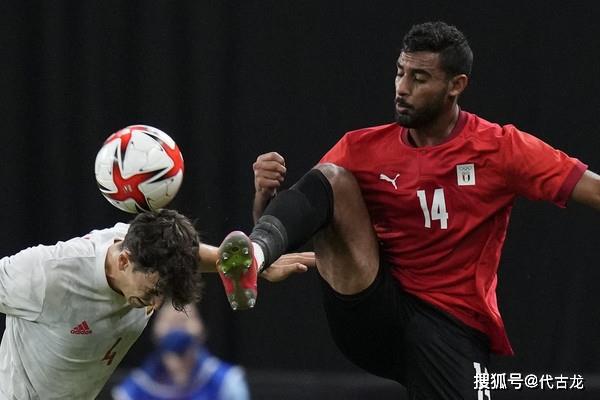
(456, 56)
(166, 242)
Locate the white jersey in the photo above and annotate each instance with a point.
(66, 329)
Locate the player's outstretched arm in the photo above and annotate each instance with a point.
(269, 173)
(208, 257)
(587, 190)
(285, 266)
(288, 264)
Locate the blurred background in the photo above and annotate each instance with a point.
(229, 80)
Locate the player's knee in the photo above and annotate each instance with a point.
(340, 179)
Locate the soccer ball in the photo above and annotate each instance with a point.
(139, 168)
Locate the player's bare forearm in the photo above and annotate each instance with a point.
(285, 266)
(208, 257)
(261, 200)
(289, 264)
(587, 190)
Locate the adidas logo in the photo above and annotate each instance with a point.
(81, 329)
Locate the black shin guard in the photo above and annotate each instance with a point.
(294, 215)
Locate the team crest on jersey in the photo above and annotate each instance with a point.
(465, 174)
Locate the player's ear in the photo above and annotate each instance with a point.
(123, 260)
(457, 84)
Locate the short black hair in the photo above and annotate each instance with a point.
(456, 56)
(166, 242)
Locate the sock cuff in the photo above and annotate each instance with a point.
(270, 234)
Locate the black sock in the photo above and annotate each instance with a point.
(294, 216)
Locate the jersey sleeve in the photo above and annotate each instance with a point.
(23, 283)
(538, 171)
(339, 154)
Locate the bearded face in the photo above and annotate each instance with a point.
(417, 116)
(421, 89)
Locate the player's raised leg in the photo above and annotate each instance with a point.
(327, 201)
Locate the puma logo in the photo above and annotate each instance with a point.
(386, 178)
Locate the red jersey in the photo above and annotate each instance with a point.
(441, 212)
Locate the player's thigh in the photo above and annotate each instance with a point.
(442, 356)
(347, 249)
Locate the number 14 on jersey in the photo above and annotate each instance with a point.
(438, 208)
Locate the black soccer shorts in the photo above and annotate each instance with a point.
(393, 334)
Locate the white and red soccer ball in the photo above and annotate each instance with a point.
(139, 168)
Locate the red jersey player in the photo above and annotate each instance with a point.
(409, 220)
(442, 225)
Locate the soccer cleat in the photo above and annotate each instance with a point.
(238, 270)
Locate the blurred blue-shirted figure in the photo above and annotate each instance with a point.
(181, 368)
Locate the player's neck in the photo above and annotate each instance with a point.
(437, 131)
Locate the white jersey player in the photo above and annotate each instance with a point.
(75, 308)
